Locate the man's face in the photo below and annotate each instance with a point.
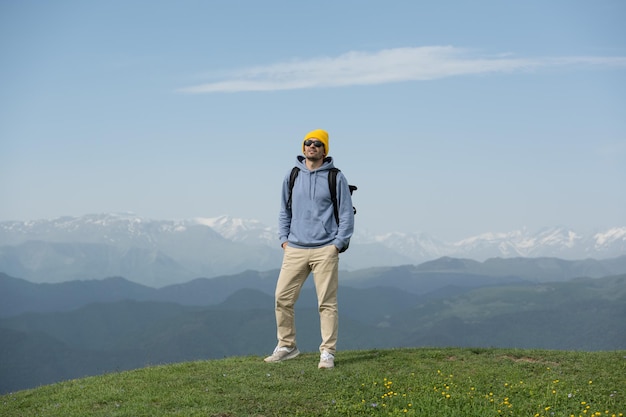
(314, 149)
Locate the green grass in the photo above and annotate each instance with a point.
(399, 382)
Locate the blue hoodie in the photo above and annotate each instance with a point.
(311, 221)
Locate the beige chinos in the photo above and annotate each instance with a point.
(297, 265)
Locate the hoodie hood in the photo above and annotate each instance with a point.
(328, 164)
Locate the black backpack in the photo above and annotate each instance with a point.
(332, 185)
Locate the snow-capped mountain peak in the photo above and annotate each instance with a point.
(611, 236)
(239, 230)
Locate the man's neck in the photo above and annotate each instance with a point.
(312, 165)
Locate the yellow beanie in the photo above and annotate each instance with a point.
(320, 135)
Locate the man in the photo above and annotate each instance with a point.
(311, 238)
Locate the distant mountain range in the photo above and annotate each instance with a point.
(52, 332)
(444, 276)
(163, 252)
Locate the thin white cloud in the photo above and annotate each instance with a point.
(385, 66)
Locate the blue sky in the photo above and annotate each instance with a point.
(454, 118)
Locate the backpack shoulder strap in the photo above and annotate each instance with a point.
(332, 185)
(292, 180)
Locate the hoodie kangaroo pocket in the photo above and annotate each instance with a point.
(309, 232)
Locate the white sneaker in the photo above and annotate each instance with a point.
(282, 353)
(327, 360)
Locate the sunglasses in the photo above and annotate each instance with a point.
(315, 143)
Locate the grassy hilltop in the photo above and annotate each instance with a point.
(396, 382)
